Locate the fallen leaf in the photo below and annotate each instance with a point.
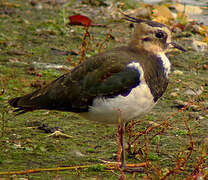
(3, 16)
(205, 39)
(179, 25)
(162, 10)
(193, 27)
(82, 21)
(183, 17)
(59, 134)
(10, 4)
(143, 12)
(200, 46)
(27, 22)
(203, 30)
(161, 19)
(188, 9)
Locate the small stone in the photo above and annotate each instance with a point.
(78, 154)
(199, 117)
(176, 89)
(205, 67)
(193, 27)
(173, 94)
(192, 92)
(178, 72)
(199, 46)
(180, 102)
(39, 6)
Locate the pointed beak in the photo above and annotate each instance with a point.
(177, 46)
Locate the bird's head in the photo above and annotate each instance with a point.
(152, 36)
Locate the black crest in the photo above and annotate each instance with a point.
(150, 23)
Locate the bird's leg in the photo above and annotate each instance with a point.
(122, 166)
(121, 154)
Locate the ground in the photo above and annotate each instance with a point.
(170, 139)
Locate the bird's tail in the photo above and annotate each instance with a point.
(14, 103)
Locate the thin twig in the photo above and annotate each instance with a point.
(84, 45)
(105, 40)
(112, 166)
(3, 123)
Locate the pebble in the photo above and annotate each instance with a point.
(181, 104)
(192, 92)
(178, 72)
(205, 67)
(176, 89)
(39, 6)
(200, 117)
(173, 94)
(199, 46)
(78, 153)
(196, 45)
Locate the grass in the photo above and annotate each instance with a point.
(178, 146)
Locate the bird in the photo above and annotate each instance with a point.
(127, 80)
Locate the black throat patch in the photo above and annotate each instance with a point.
(155, 77)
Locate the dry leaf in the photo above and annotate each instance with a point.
(10, 4)
(203, 30)
(205, 39)
(144, 12)
(82, 20)
(161, 19)
(200, 46)
(188, 9)
(161, 10)
(183, 16)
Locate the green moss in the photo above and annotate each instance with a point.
(153, 157)
(91, 150)
(97, 168)
(180, 132)
(25, 146)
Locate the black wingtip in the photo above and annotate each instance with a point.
(13, 102)
(19, 110)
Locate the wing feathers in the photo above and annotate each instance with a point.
(101, 76)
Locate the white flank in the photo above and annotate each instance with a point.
(166, 63)
(138, 101)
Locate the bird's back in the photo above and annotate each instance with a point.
(76, 90)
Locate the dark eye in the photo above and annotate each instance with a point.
(160, 34)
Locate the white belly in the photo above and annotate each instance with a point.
(138, 101)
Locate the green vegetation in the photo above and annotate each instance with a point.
(28, 34)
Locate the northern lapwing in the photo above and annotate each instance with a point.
(127, 80)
